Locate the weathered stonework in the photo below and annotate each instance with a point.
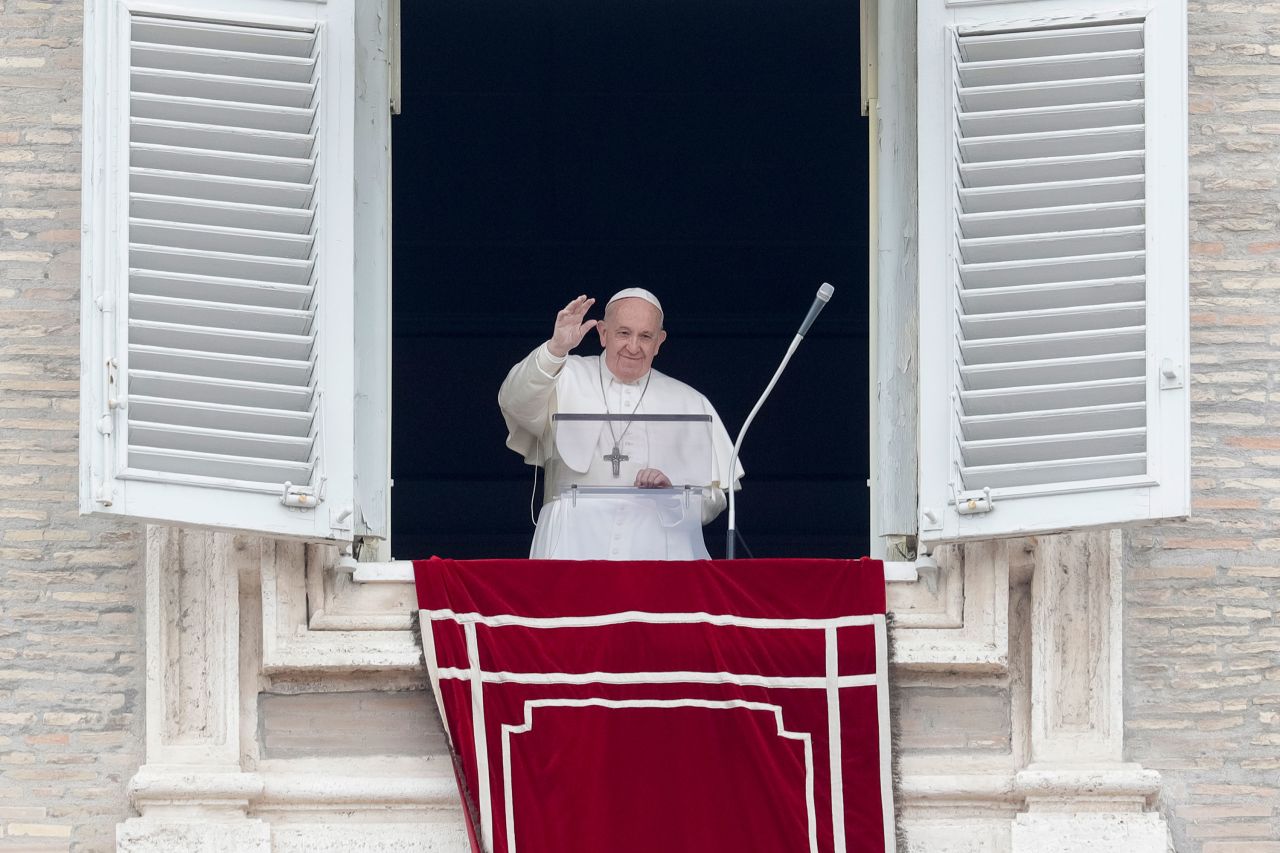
(71, 643)
(1202, 627)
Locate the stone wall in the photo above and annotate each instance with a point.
(71, 647)
(1202, 625)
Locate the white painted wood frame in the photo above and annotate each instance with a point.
(218, 283)
(1053, 266)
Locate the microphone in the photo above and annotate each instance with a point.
(819, 302)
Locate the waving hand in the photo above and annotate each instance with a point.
(571, 327)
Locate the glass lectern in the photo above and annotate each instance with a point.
(601, 514)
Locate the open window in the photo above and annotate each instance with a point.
(236, 280)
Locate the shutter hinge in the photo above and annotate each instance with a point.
(104, 493)
(1170, 375)
(115, 400)
(302, 497)
(974, 503)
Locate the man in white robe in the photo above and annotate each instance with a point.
(615, 453)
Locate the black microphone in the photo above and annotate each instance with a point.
(819, 302)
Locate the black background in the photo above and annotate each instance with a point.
(712, 151)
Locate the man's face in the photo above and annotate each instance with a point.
(631, 334)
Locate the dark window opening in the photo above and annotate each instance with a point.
(713, 152)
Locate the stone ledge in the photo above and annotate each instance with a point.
(165, 790)
(1118, 788)
(1122, 788)
(209, 791)
(304, 790)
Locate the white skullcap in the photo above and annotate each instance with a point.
(636, 293)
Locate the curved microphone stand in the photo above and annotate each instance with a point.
(820, 301)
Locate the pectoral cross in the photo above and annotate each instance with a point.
(617, 459)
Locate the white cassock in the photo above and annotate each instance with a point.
(619, 528)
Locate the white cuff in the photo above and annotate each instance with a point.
(548, 363)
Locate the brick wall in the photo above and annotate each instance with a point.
(71, 649)
(1203, 598)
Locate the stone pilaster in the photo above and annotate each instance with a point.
(1080, 794)
(192, 793)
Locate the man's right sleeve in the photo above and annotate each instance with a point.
(526, 399)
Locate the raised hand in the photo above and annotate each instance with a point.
(652, 478)
(571, 327)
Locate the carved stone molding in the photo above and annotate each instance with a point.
(338, 603)
(1076, 650)
(339, 641)
(1041, 623)
(193, 644)
(191, 793)
(203, 786)
(1080, 794)
(958, 619)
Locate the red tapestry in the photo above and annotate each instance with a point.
(641, 707)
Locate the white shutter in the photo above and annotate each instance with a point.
(218, 273)
(1053, 256)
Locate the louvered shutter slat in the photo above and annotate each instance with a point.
(1031, 43)
(977, 428)
(222, 113)
(216, 289)
(177, 259)
(1060, 144)
(214, 136)
(1016, 374)
(279, 220)
(1023, 247)
(1039, 170)
(177, 33)
(1034, 297)
(1033, 398)
(217, 87)
(221, 366)
(288, 69)
(1047, 119)
(218, 187)
(1049, 448)
(224, 442)
(1080, 217)
(212, 389)
(1044, 69)
(244, 318)
(211, 339)
(1036, 474)
(1056, 93)
(1052, 345)
(224, 416)
(221, 239)
(217, 466)
(1053, 320)
(1010, 273)
(1042, 196)
(229, 164)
